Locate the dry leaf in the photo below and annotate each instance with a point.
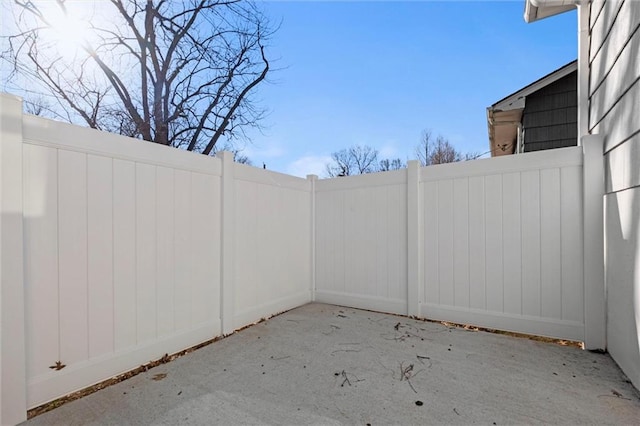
(57, 366)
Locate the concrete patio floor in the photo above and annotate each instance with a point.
(323, 364)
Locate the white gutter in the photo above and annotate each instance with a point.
(535, 10)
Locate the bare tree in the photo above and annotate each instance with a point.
(175, 73)
(356, 160)
(364, 158)
(444, 152)
(241, 158)
(438, 150)
(36, 106)
(474, 155)
(341, 164)
(388, 165)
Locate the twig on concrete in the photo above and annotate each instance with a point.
(400, 338)
(402, 334)
(414, 389)
(346, 350)
(332, 330)
(387, 368)
(408, 334)
(282, 357)
(406, 373)
(420, 358)
(613, 396)
(346, 380)
(616, 394)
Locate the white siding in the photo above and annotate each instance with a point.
(615, 113)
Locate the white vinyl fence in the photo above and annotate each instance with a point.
(114, 251)
(121, 254)
(361, 241)
(496, 243)
(502, 243)
(131, 251)
(272, 253)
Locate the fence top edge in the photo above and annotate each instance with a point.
(57, 135)
(562, 157)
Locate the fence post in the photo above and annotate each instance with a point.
(312, 179)
(227, 248)
(413, 238)
(594, 281)
(13, 387)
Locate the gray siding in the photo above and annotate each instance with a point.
(614, 112)
(550, 116)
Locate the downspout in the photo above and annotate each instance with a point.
(583, 69)
(594, 210)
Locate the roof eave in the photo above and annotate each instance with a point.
(534, 10)
(516, 99)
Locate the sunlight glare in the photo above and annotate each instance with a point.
(70, 30)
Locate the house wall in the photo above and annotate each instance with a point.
(550, 116)
(614, 112)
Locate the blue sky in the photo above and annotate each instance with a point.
(378, 73)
